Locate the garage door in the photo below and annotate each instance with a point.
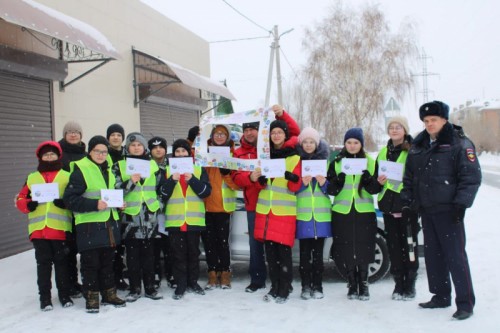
(168, 121)
(25, 121)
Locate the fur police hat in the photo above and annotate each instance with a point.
(434, 108)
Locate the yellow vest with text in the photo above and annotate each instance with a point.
(343, 201)
(95, 183)
(180, 209)
(276, 197)
(141, 193)
(47, 214)
(391, 184)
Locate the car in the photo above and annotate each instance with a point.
(238, 240)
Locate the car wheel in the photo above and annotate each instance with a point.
(379, 268)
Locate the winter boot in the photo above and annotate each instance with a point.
(92, 302)
(317, 292)
(153, 294)
(272, 294)
(352, 285)
(225, 280)
(110, 297)
(364, 294)
(133, 295)
(46, 304)
(179, 292)
(195, 288)
(397, 294)
(212, 281)
(409, 286)
(65, 300)
(306, 292)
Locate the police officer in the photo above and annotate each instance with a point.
(442, 176)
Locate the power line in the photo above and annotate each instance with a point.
(246, 17)
(288, 62)
(238, 39)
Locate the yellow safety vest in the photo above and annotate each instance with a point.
(276, 197)
(228, 198)
(180, 209)
(314, 204)
(141, 193)
(47, 214)
(95, 183)
(342, 202)
(391, 184)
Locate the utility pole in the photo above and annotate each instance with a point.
(275, 52)
(425, 74)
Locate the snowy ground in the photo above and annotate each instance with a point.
(236, 311)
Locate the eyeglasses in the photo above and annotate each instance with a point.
(220, 135)
(277, 133)
(395, 128)
(100, 152)
(73, 133)
(50, 154)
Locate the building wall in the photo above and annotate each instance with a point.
(106, 95)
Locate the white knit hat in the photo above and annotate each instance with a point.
(309, 132)
(400, 120)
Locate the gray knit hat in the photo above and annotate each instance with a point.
(136, 136)
(72, 126)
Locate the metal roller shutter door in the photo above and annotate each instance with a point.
(25, 113)
(167, 121)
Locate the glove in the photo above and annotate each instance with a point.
(458, 214)
(366, 178)
(406, 214)
(224, 172)
(32, 205)
(193, 132)
(262, 180)
(59, 203)
(291, 177)
(340, 180)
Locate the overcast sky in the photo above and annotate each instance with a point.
(460, 37)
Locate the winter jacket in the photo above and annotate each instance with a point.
(94, 234)
(391, 200)
(248, 152)
(443, 174)
(71, 153)
(312, 228)
(279, 228)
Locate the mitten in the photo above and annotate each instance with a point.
(224, 172)
(193, 132)
(32, 205)
(366, 178)
(262, 180)
(59, 203)
(340, 180)
(291, 177)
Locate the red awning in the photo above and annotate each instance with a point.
(37, 17)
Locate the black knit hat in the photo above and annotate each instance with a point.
(254, 125)
(355, 133)
(434, 108)
(157, 141)
(97, 140)
(115, 128)
(181, 143)
(281, 124)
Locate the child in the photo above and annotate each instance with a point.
(354, 224)
(275, 220)
(185, 219)
(139, 218)
(314, 210)
(48, 224)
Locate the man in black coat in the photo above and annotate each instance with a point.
(442, 177)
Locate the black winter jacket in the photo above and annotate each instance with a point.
(442, 175)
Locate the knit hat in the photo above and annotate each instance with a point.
(136, 136)
(181, 143)
(355, 133)
(254, 125)
(399, 120)
(434, 108)
(97, 140)
(311, 133)
(48, 146)
(281, 124)
(156, 141)
(115, 128)
(72, 126)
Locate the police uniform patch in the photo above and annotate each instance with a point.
(471, 155)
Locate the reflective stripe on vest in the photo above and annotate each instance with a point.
(47, 214)
(180, 209)
(391, 184)
(141, 193)
(276, 197)
(228, 198)
(95, 183)
(313, 204)
(342, 202)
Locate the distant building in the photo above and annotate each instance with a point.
(391, 109)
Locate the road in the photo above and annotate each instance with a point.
(491, 176)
